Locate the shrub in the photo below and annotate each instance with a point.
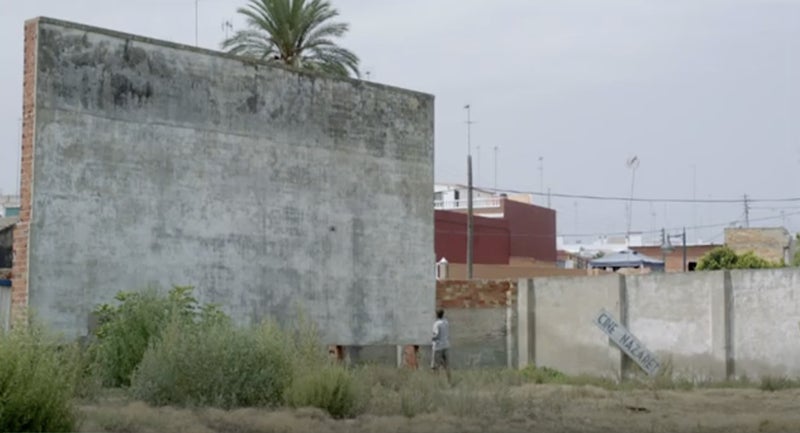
(769, 383)
(543, 375)
(127, 329)
(37, 381)
(214, 364)
(725, 258)
(330, 388)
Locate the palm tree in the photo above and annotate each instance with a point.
(298, 33)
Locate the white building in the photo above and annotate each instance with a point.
(9, 205)
(454, 197)
(603, 244)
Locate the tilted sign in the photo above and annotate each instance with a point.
(627, 342)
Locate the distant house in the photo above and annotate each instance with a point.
(774, 244)
(9, 206)
(505, 230)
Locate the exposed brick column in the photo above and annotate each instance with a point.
(19, 280)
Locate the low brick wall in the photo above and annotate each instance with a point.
(482, 318)
(475, 293)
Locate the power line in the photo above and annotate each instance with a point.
(646, 200)
(620, 233)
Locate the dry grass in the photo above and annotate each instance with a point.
(405, 401)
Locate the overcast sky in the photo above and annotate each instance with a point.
(709, 84)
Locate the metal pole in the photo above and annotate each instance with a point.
(469, 217)
(663, 251)
(469, 196)
(684, 249)
(541, 175)
(746, 212)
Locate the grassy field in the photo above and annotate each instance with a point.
(479, 401)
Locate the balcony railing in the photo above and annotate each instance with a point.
(477, 203)
(7, 200)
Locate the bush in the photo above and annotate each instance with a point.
(330, 388)
(769, 383)
(37, 381)
(725, 258)
(127, 329)
(543, 375)
(214, 363)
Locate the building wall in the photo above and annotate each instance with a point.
(491, 244)
(705, 325)
(559, 329)
(674, 262)
(532, 229)
(772, 244)
(672, 314)
(766, 319)
(268, 190)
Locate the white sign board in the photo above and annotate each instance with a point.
(627, 342)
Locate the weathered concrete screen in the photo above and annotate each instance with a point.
(269, 190)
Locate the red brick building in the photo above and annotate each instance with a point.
(515, 230)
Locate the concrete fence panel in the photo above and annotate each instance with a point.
(564, 336)
(674, 316)
(766, 322)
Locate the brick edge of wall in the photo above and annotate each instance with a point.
(466, 294)
(19, 280)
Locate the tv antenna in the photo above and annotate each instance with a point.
(632, 163)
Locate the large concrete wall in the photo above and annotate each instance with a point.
(559, 315)
(268, 190)
(766, 322)
(673, 315)
(706, 325)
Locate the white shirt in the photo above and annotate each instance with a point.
(441, 334)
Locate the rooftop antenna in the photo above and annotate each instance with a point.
(541, 175)
(632, 163)
(227, 27)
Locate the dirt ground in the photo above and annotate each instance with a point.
(529, 408)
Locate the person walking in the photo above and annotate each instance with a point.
(441, 344)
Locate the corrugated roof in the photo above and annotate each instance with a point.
(625, 259)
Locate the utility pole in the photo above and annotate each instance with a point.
(694, 200)
(633, 164)
(746, 212)
(684, 249)
(469, 195)
(548, 197)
